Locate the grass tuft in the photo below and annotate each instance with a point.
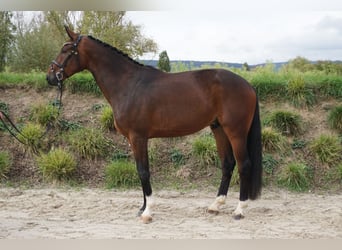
(327, 149)
(286, 122)
(107, 118)
(56, 165)
(204, 147)
(295, 177)
(5, 164)
(273, 141)
(335, 118)
(121, 174)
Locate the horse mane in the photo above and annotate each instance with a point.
(117, 51)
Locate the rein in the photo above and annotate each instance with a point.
(15, 131)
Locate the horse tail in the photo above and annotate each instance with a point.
(255, 155)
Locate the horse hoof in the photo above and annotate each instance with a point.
(238, 216)
(146, 219)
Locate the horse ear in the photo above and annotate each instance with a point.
(70, 33)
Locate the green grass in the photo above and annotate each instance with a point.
(83, 83)
(204, 147)
(327, 149)
(5, 164)
(107, 118)
(121, 174)
(299, 93)
(58, 165)
(295, 177)
(286, 122)
(273, 141)
(88, 143)
(31, 135)
(335, 118)
(44, 114)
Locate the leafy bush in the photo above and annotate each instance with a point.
(204, 147)
(272, 141)
(88, 143)
(44, 114)
(177, 157)
(31, 135)
(327, 149)
(269, 164)
(335, 118)
(295, 176)
(121, 173)
(107, 118)
(5, 164)
(286, 122)
(57, 164)
(299, 93)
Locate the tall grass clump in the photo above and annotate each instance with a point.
(107, 118)
(83, 83)
(44, 114)
(295, 176)
(56, 165)
(335, 118)
(286, 122)
(273, 141)
(327, 149)
(5, 164)
(31, 136)
(89, 143)
(204, 147)
(4, 108)
(121, 174)
(299, 93)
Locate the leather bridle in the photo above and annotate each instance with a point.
(60, 73)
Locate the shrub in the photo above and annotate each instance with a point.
(204, 147)
(88, 143)
(44, 114)
(177, 157)
(295, 177)
(286, 122)
(57, 164)
(5, 164)
(121, 173)
(31, 136)
(327, 149)
(272, 141)
(107, 118)
(298, 93)
(269, 164)
(335, 118)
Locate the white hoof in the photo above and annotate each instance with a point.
(215, 206)
(238, 212)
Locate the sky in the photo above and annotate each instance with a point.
(252, 33)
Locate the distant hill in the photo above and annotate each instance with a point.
(198, 64)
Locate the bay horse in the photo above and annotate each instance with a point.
(148, 103)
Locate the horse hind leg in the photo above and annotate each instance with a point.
(239, 145)
(227, 162)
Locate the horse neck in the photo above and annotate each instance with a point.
(113, 71)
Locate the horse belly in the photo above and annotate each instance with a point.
(179, 120)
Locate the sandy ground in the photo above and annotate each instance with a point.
(101, 214)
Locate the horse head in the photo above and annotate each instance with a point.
(67, 62)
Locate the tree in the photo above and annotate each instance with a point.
(6, 37)
(112, 28)
(164, 62)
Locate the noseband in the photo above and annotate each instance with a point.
(61, 66)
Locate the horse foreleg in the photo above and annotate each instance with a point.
(139, 146)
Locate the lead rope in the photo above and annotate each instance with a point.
(14, 131)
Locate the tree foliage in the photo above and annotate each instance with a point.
(113, 28)
(6, 36)
(38, 41)
(164, 62)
